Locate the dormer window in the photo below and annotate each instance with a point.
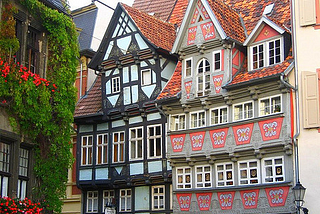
(266, 53)
(203, 77)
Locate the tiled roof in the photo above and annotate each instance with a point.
(251, 11)
(229, 20)
(178, 12)
(244, 76)
(92, 102)
(161, 9)
(158, 32)
(173, 87)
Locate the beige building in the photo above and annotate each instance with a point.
(307, 43)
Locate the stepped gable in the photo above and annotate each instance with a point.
(158, 32)
(173, 87)
(91, 103)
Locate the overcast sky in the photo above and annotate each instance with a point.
(104, 16)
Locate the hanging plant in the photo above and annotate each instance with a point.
(42, 109)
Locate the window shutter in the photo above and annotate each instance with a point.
(307, 12)
(310, 100)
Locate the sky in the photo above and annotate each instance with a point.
(103, 18)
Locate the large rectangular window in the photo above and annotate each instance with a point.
(272, 170)
(177, 122)
(249, 172)
(266, 54)
(125, 200)
(184, 177)
(86, 150)
(102, 149)
(118, 147)
(158, 197)
(270, 105)
(197, 119)
(225, 174)
(92, 201)
(23, 173)
(136, 143)
(203, 176)
(218, 115)
(154, 141)
(243, 111)
(4, 167)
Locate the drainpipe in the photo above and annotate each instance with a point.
(294, 47)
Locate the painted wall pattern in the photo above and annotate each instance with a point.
(218, 137)
(177, 142)
(204, 200)
(184, 201)
(217, 82)
(277, 196)
(250, 198)
(197, 140)
(226, 200)
(242, 133)
(270, 129)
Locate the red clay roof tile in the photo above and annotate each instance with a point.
(158, 32)
(178, 12)
(92, 102)
(173, 87)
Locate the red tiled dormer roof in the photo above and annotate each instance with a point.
(251, 12)
(173, 87)
(229, 20)
(91, 103)
(245, 77)
(158, 32)
(178, 12)
(161, 9)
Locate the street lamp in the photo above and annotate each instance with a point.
(110, 208)
(298, 193)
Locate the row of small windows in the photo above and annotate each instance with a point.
(5, 157)
(136, 145)
(219, 115)
(125, 199)
(272, 171)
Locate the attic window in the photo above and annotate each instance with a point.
(200, 19)
(268, 9)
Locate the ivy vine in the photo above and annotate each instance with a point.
(42, 109)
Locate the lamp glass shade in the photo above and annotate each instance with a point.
(298, 192)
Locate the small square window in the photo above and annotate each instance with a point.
(203, 176)
(146, 77)
(184, 178)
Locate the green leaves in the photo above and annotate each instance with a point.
(43, 109)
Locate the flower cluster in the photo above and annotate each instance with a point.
(21, 73)
(8, 205)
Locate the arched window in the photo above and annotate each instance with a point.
(203, 77)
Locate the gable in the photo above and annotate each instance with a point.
(267, 32)
(201, 28)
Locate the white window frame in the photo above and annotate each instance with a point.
(199, 122)
(206, 82)
(272, 110)
(249, 179)
(86, 151)
(154, 138)
(120, 144)
(202, 176)
(222, 175)
(265, 53)
(134, 150)
(244, 112)
(175, 122)
(92, 198)
(184, 177)
(185, 67)
(214, 60)
(103, 148)
(158, 198)
(220, 117)
(125, 198)
(5, 157)
(115, 85)
(108, 197)
(146, 77)
(274, 177)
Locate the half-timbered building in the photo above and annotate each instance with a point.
(121, 143)
(229, 106)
